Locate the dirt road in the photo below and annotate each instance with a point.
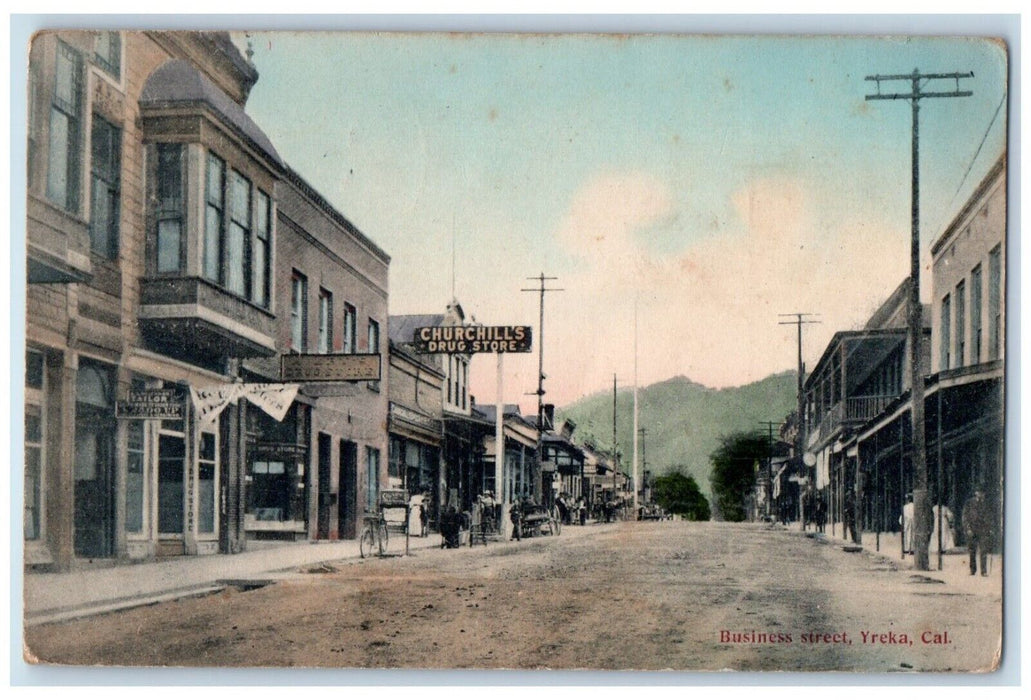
(666, 595)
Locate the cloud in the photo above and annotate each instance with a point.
(710, 310)
(608, 214)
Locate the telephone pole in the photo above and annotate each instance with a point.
(800, 436)
(769, 464)
(537, 486)
(918, 81)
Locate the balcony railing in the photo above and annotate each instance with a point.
(851, 412)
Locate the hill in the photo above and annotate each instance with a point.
(683, 420)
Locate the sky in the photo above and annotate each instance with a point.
(690, 187)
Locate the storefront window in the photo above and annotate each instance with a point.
(270, 487)
(33, 464)
(34, 431)
(134, 478)
(372, 478)
(207, 462)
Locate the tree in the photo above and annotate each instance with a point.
(733, 471)
(680, 494)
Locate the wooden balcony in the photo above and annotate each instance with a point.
(852, 412)
(190, 317)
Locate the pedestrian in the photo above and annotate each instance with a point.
(977, 528)
(850, 518)
(948, 535)
(906, 520)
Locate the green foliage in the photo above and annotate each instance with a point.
(679, 493)
(733, 472)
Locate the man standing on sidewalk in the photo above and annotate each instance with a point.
(977, 526)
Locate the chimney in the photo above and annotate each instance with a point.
(549, 416)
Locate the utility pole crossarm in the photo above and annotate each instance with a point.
(902, 96)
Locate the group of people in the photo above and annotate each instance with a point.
(978, 521)
(571, 511)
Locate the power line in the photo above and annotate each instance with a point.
(979, 147)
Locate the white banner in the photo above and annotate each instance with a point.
(211, 401)
(273, 399)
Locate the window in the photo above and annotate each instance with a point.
(134, 483)
(238, 236)
(134, 478)
(961, 322)
(447, 378)
(946, 331)
(350, 330)
(299, 312)
(207, 467)
(65, 125)
(105, 187)
(995, 303)
(34, 446)
(465, 383)
(109, 53)
(214, 216)
(262, 250)
(169, 207)
(372, 478)
(325, 321)
(373, 337)
(237, 252)
(975, 314)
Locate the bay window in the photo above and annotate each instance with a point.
(169, 207)
(214, 216)
(238, 235)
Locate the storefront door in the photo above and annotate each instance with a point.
(94, 461)
(171, 495)
(348, 499)
(325, 476)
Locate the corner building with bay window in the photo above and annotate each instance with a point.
(151, 268)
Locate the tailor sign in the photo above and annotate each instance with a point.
(466, 340)
(331, 368)
(166, 404)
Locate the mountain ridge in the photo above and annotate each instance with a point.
(683, 420)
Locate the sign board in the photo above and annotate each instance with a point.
(164, 404)
(330, 368)
(281, 450)
(548, 466)
(466, 340)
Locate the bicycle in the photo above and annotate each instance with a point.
(373, 539)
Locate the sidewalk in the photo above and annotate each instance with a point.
(51, 597)
(955, 571)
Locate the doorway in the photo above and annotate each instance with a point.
(347, 505)
(94, 518)
(325, 493)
